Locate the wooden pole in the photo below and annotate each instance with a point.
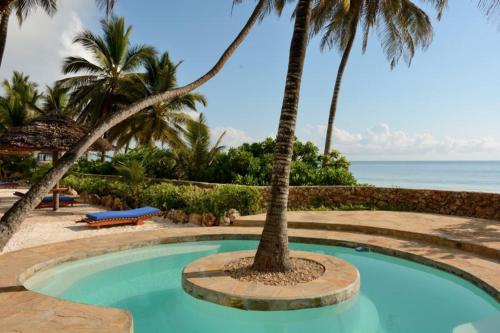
(55, 192)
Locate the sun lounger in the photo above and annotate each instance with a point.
(8, 185)
(132, 216)
(47, 201)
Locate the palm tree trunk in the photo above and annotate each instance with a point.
(336, 89)
(272, 254)
(13, 218)
(4, 27)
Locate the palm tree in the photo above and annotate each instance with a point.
(98, 90)
(163, 121)
(403, 27)
(272, 253)
(23, 8)
(20, 102)
(13, 218)
(56, 98)
(134, 174)
(197, 153)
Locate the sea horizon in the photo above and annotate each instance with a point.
(455, 175)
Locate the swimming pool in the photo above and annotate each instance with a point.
(397, 296)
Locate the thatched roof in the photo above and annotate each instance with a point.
(50, 132)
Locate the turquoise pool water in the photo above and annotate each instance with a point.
(397, 296)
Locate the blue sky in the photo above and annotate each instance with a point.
(445, 106)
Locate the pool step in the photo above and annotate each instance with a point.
(488, 325)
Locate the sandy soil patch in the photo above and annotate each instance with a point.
(44, 226)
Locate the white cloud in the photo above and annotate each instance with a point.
(38, 47)
(380, 142)
(233, 137)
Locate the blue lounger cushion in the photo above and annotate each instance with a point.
(7, 183)
(63, 198)
(123, 214)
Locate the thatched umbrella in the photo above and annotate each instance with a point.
(53, 132)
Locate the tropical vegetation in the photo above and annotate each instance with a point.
(190, 199)
(248, 164)
(19, 104)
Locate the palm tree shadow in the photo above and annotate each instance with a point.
(473, 230)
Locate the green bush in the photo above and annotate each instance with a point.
(194, 199)
(245, 199)
(14, 167)
(94, 167)
(167, 196)
(252, 164)
(248, 164)
(102, 187)
(39, 171)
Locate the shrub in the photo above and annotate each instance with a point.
(194, 199)
(245, 199)
(167, 196)
(39, 171)
(16, 167)
(102, 187)
(94, 167)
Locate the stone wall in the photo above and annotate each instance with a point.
(472, 204)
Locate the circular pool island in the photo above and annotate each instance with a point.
(210, 279)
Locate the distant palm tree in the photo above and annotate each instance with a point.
(19, 104)
(98, 92)
(23, 8)
(56, 98)
(161, 122)
(401, 25)
(197, 152)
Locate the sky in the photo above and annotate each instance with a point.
(445, 106)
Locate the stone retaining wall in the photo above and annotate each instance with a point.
(472, 204)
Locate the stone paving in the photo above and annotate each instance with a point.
(472, 234)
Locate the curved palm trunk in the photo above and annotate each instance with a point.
(336, 89)
(4, 27)
(272, 254)
(12, 219)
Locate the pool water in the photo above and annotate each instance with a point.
(397, 296)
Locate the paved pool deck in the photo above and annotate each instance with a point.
(466, 247)
(474, 235)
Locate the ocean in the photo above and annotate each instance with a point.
(482, 176)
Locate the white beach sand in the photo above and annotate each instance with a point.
(46, 226)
